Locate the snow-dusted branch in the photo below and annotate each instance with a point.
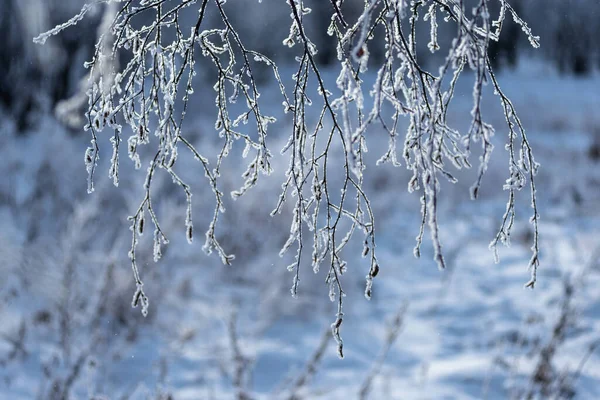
(151, 93)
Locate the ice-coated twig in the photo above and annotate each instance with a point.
(324, 180)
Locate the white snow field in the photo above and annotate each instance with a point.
(471, 331)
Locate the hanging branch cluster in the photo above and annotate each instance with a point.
(150, 93)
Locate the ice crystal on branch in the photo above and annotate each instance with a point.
(151, 91)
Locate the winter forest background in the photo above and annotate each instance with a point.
(471, 331)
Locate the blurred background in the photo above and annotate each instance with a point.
(67, 330)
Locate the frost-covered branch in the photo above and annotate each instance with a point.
(324, 181)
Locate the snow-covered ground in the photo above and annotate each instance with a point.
(469, 332)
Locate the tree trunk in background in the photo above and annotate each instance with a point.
(34, 78)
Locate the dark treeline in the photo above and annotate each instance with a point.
(34, 77)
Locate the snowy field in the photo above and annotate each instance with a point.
(216, 332)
